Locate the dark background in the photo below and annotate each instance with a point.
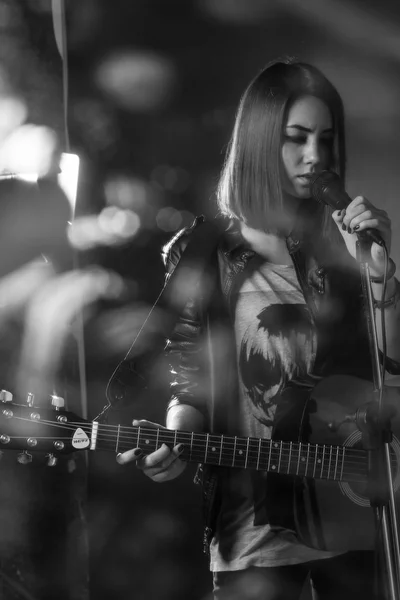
(153, 86)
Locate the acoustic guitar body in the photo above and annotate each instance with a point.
(333, 514)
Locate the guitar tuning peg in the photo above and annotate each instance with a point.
(24, 458)
(57, 402)
(30, 399)
(5, 396)
(51, 460)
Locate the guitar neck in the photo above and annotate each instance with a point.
(318, 461)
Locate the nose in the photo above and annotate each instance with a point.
(312, 152)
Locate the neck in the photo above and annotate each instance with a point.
(270, 246)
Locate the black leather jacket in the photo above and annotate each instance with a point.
(202, 349)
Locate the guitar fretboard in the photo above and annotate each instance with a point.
(317, 461)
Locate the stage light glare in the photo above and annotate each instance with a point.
(30, 149)
(137, 81)
(126, 192)
(68, 177)
(13, 112)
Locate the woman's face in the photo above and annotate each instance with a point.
(307, 144)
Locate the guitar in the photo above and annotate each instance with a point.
(323, 464)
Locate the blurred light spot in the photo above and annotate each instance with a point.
(127, 192)
(29, 149)
(13, 113)
(111, 227)
(32, 177)
(137, 81)
(243, 11)
(169, 219)
(68, 177)
(173, 179)
(113, 220)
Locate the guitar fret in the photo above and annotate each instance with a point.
(269, 456)
(298, 459)
(330, 462)
(322, 461)
(247, 453)
(259, 454)
(315, 459)
(253, 454)
(341, 472)
(220, 451)
(191, 446)
(290, 457)
(336, 465)
(308, 456)
(212, 447)
(176, 433)
(205, 453)
(234, 451)
(280, 457)
(157, 436)
(117, 442)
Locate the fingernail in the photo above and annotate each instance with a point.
(118, 458)
(349, 230)
(356, 228)
(137, 452)
(344, 227)
(180, 448)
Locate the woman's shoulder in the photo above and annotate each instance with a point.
(208, 232)
(172, 250)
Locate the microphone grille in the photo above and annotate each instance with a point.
(319, 182)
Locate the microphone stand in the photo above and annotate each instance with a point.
(373, 420)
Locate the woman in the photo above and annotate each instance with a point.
(286, 312)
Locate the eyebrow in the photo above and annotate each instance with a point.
(301, 128)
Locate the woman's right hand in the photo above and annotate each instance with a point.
(162, 464)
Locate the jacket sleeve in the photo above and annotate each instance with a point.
(186, 348)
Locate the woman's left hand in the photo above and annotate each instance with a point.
(360, 215)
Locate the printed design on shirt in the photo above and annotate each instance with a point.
(276, 348)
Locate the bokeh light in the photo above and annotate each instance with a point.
(30, 149)
(137, 81)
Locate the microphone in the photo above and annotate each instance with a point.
(326, 187)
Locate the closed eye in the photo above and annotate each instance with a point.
(299, 139)
(296, 139)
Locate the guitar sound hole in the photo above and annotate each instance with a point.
(358, 492)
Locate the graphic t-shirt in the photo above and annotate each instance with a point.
(276, 343)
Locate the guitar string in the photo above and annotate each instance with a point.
(227, 440)
(330, 459)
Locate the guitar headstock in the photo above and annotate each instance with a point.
(34, 429)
